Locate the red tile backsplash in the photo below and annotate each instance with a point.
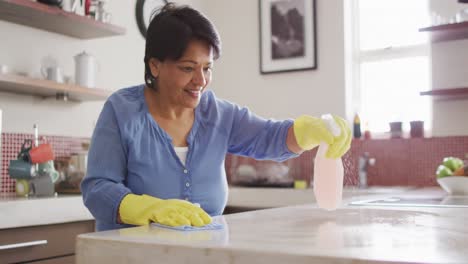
(11, 144)
(398, 161)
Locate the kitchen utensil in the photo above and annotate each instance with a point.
(52, 73)
(100, 13)
(79, 161)
(34, 169)
(22, 187)
(417, 129)
(20, 169)
(24, 152)
(104, 17)
(396, 130)
(456, 185)
(42, 186)
(85, 70)
(47, 168)
(42, 153)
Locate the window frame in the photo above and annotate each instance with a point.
(358, 57)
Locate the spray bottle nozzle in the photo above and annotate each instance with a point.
(331, 124)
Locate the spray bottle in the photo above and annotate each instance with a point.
(328, 173)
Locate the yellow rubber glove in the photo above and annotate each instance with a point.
(143, 209)
(310, 131)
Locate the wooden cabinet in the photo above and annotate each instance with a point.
(44, 244)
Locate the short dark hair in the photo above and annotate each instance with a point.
(170, 31)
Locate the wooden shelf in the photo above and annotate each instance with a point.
(45, 88)
(447, 32)
(450, 93)
(54, 19)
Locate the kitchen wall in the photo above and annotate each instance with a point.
(237, 77)
(284, 95)
(281, 95)
(449, 70)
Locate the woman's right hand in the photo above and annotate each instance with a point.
(143, 209)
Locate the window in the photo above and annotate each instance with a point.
(391, 63)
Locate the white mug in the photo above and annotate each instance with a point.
(52, 74)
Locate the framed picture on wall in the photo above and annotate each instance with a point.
(288, 39)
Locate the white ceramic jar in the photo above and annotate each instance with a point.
(85, 70)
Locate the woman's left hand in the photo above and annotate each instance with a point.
(310, 131)
(341, 143)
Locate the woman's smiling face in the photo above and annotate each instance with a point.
(182, 82)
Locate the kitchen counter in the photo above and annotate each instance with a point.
(21, 212)
(260, 198)
(296, 234)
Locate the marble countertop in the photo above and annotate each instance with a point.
(21, 212)
(296, 234)
(260, 198)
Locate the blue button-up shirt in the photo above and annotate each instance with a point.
(131, 153)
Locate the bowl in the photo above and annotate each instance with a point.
(457, 185)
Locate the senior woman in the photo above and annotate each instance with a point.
(158, 149)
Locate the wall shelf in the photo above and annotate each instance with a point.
(450, 93)
(54, 19)
(447, 32)
(45, 88)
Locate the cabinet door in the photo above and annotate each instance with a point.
(41, 242)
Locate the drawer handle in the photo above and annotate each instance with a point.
(24, 244)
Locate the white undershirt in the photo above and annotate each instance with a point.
(181, 152)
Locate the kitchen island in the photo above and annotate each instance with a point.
(295, 234)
